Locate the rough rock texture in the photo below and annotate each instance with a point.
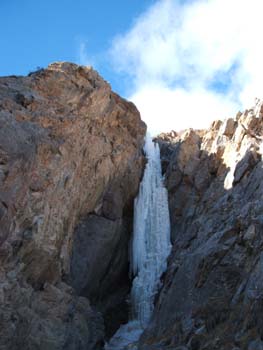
(70, 165)
(212, 297)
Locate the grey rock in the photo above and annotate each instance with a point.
(214, 272)
(255, 345)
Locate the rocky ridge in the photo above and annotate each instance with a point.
(70, 166)
(212, 293)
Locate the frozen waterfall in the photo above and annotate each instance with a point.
(151, 237)
(149, 249)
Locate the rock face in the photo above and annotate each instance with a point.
(70, 166)
(212, 296)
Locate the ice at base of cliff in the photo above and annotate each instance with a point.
(126, 337)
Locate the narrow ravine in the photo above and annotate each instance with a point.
(149, 250)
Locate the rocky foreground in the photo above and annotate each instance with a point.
(212, 297)
(70, 165)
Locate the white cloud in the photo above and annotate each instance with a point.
(177, 55)
(166, 109)
(83, 58)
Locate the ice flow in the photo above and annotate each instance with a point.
(149, 249)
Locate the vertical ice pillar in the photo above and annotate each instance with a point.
(151, 237)
(150, 249)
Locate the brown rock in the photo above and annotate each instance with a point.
(69, 147)
(229, 127)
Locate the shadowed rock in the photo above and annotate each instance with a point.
(212, 292)
(70, 149)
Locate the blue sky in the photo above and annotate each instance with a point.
(184, 63)
(35, 33)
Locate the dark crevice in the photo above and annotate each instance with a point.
(100, 266)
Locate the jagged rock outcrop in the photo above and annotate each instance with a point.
(70, 166)
(212, 295)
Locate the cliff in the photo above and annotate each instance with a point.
(70, 166)
(212, 291)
